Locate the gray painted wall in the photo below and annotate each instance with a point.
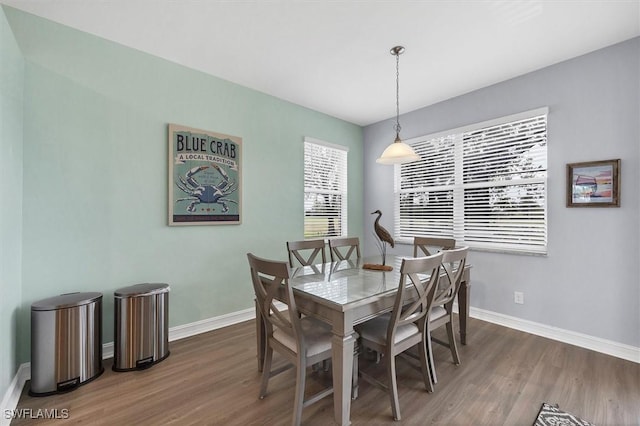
(589, 281)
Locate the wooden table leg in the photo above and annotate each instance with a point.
(463, 307)
(342, 352)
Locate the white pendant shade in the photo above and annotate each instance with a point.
(398, 153)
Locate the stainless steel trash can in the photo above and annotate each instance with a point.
(66, 342)
(141, 326)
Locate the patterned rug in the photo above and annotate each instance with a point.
(552, 415)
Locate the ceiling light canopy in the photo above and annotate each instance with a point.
(398, 152)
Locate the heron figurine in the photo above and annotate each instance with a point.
(383, 235)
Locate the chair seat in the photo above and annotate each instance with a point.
(437, 312)
(375, 330)
(317, 336)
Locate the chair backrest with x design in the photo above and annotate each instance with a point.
(268, 278)
(453, 263)
(421, 245)
(306, 252)
(418, 277)
(344, 248)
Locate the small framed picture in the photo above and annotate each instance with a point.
(593, 184)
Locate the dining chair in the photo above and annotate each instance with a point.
(305, 252)
(453, 263)
(344, 248)
(421, 245)
(406, 325)
(302, 341)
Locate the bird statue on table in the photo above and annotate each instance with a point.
(383, 235)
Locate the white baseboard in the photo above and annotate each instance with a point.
(194, 328)
(187, 330)
(618, 350)
(12, 396)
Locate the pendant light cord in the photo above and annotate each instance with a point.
(397, 126)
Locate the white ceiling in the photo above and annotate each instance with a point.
(333, 56)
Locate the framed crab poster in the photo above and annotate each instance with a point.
(204, 177)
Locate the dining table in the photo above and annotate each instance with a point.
(344, 294)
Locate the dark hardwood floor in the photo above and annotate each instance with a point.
(212, 379)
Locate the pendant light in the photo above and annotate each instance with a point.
(398, 152)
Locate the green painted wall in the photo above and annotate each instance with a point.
(95, 175)
(11, 117)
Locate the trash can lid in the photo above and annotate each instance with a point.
(144, 289)
(67, 300)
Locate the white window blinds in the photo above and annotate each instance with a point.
(325, 189)
(484, 185)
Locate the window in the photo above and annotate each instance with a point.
(484, 185)
(325, 189)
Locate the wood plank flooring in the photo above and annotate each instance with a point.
(212, 379)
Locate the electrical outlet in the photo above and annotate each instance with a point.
(518, 297)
